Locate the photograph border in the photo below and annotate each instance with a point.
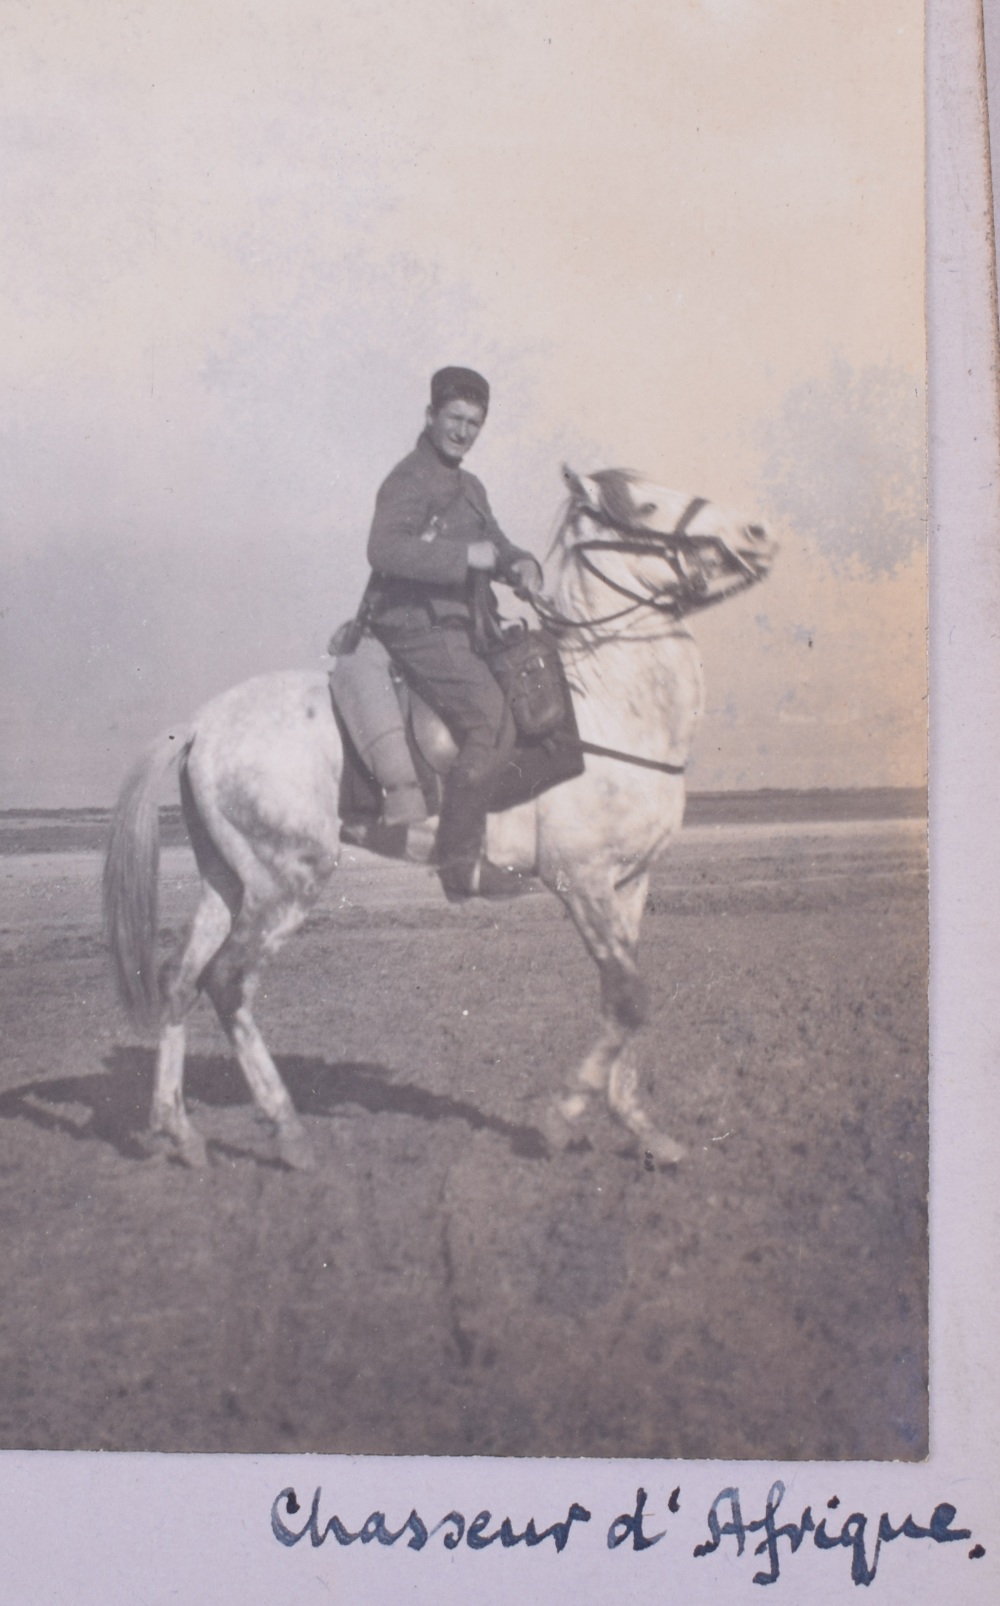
(96, 1528)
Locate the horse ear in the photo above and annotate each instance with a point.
(581, 489)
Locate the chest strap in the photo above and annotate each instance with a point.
(630, 758)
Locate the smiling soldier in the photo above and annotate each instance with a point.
(433, 546)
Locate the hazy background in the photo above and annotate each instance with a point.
(684, 237)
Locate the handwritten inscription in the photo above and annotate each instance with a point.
(859, 1535)
(625, 1527)
(852, 1536)
(374, 1528)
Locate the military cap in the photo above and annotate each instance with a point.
(454, 384)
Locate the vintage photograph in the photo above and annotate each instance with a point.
(463, 759)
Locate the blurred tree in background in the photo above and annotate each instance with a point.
(846, 464)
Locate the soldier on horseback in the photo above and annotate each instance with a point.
(433, 546)
(262, 766)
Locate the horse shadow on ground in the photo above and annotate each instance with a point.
(119, 1100)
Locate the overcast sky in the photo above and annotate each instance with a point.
(679, 235)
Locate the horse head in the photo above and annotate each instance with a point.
(680, 552)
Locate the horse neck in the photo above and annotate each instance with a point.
(578, 594)
(644, 659)
(606, 616)
(637, 678)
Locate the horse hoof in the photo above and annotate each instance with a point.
(561, 1123)
(659, 1150)
(295, 1151)
(154, 1147)
(187, 1149)
(191, 1151)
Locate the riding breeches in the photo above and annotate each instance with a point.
(441, 666)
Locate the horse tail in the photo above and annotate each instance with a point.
(131, 877)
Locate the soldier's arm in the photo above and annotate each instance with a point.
(514, 564)
(404, 543)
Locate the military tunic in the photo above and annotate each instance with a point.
(427, 514)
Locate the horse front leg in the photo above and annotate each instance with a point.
(608, 918)
(623, 1098)
(623, 1011)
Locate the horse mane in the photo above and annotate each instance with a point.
(616, 497)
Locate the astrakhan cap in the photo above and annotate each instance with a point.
(459, 384)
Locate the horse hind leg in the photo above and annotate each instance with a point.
(170, 1129)
(231, 981)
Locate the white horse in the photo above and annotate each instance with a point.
(259, 772)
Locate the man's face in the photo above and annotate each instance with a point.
(453, 428)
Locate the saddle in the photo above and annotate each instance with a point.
(397, 750)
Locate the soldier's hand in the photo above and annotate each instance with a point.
(526, 576)
(482, 555)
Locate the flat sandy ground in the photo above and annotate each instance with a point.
(441, 1284)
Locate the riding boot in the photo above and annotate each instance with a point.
(460, 834)
(462, 867)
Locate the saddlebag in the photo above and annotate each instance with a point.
(530, 674)
(528, 667)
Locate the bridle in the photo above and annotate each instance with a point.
(685, 591)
